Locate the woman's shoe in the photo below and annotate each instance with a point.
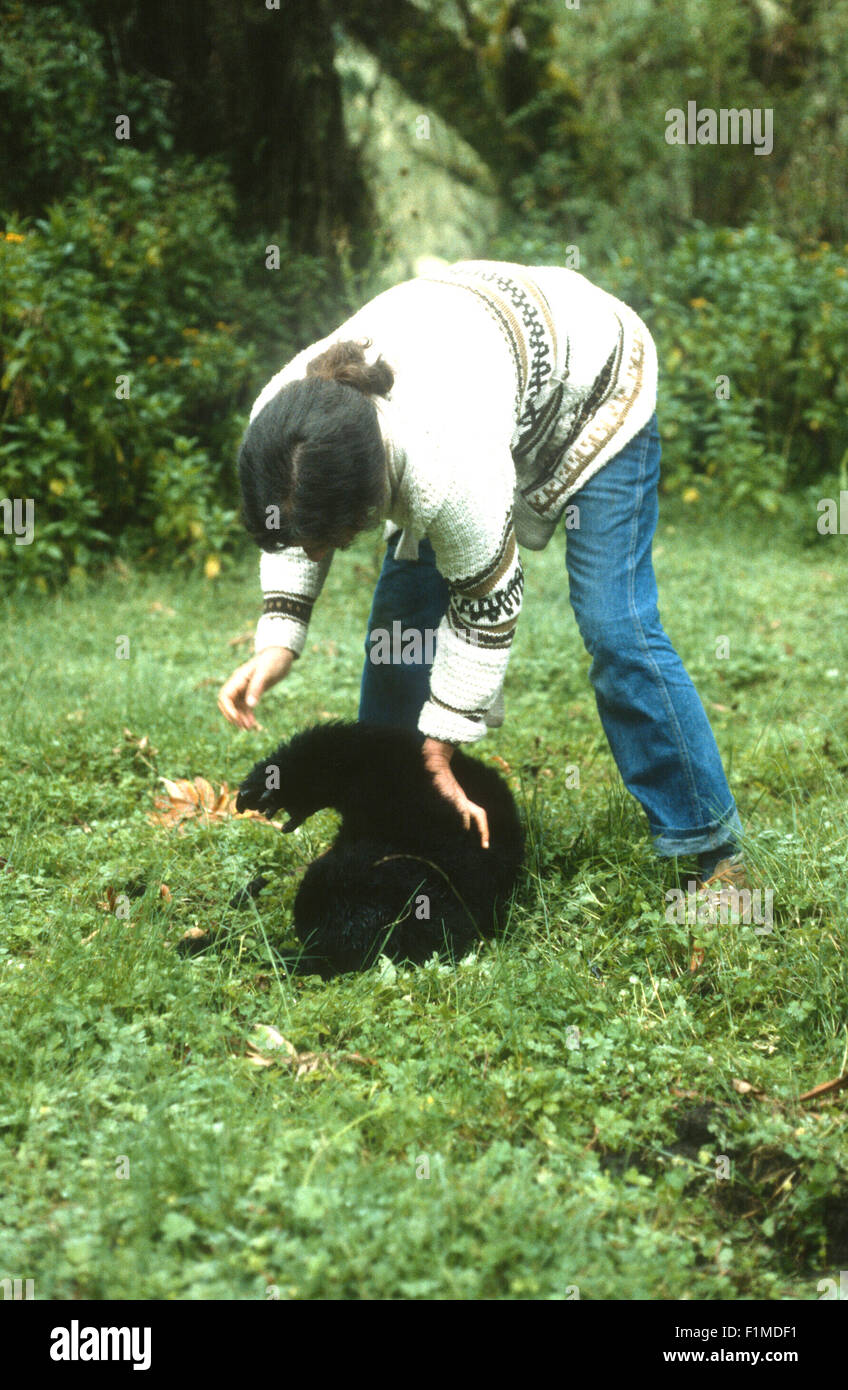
(717, 897)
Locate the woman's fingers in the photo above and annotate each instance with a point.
(470, 812)
(239, 696)
(254, 691)
(482, 822)
(226, 702)
(447, 785)
(231, 698)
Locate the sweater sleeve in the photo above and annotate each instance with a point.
(290, 585)
(290, 582)
(476, 552)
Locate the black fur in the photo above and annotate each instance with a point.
(400, 843)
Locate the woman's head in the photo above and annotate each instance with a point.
(312, 464)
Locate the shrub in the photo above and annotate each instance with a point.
(53, 95)
(753, 391)
(135, 330)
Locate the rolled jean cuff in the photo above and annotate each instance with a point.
(717, 833)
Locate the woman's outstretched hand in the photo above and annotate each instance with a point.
(437, 758)
(246, 686)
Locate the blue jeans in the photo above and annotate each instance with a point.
(655, 723)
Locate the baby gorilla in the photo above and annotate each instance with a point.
(403, 877)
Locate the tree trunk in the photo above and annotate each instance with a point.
(257, 88)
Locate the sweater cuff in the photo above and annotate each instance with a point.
(449, 725)
(274, 630)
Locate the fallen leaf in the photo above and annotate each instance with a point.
(692, 1095)
(111, 899)
(826, 1087)
(208, 799)
(185, 799)
(258, 1060)
(268, 1039)
(240, 639)
(745, 1088)
(141, 745)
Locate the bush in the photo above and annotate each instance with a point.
(135, 331)
(753, 391)
(53, 96)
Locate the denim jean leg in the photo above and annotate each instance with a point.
(655, 723)
(411, 596)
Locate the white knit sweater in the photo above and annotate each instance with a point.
(513, 386)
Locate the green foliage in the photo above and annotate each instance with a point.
(113, 292)
(751, 332)
(630, 63)
(570, 1086)
(139, 279)
(52, 103)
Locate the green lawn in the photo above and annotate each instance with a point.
(549, 1116)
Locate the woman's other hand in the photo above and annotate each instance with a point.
(246, 686)
(437, 758)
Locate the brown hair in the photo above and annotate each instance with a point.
(312, 463)
(345, 362)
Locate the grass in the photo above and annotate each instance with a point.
(557, 1114)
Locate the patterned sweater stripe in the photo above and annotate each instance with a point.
(629, 386)
(522, 313)
(478, 584)
(290, 585)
